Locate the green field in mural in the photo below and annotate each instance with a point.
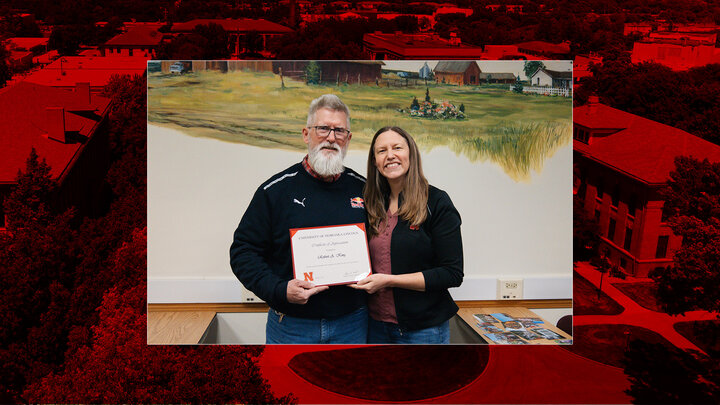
(516, 131)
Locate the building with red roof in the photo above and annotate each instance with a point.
(66, 128)
(66, 71)
(140, 41)
(545, 50)
(677, 54)
(37, 46)
(21, 51)
(648, 27)
(582, 65)
(240, 30)
(398, 46)
(705, 38)
(458, 72)
(315, 17)
(622, 162)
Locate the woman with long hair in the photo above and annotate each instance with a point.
(415, 246)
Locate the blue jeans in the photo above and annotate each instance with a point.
(385, 332)
(347, 329)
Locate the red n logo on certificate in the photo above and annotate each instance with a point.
(308, 276)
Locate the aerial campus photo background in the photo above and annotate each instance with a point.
(74, 268)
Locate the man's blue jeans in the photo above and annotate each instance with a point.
(385, 333)
(347, 329)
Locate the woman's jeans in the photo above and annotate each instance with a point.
(385, 332)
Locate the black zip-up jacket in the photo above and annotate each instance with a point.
(435, 249)
(260, 254)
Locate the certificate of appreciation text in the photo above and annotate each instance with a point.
(330, 255)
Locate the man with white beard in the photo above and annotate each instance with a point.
(317, 192)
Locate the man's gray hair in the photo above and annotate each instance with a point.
(329, 101)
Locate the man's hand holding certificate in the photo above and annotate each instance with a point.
(330, 255)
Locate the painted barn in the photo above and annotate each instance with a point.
(457, 72)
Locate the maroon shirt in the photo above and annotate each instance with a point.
(382, 304)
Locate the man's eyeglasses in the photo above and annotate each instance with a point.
(324, 130)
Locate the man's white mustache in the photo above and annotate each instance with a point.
(328, 145)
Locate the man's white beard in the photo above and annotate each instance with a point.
(326, 164)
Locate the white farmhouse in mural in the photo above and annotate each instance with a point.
(551, 78)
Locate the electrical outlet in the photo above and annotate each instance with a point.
(510, 289)
(248, 296)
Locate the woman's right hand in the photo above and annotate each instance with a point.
(374, 283)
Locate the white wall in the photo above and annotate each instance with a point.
(198, 189)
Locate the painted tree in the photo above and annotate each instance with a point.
(532, 66)
(415, 105)
(313, 73)
(518, 87)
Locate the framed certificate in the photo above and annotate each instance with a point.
(330, 255)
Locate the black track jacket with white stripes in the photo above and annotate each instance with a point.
(260, 255)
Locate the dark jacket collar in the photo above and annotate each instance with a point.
(387, 200)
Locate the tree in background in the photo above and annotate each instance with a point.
(693, 204)
(312, 73)
(29, 201)
(689, 100)
(518, 86)
(66, 39)
(216, 41)
(206, 41)
(127, 114)
(532, 66)
(16, 25)
(586, 232)
(661, 375)
(38, 256)
(187, 46)
(345, 42)
(110, 29)
(117, 366)
(54, 272)
(5, 73)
